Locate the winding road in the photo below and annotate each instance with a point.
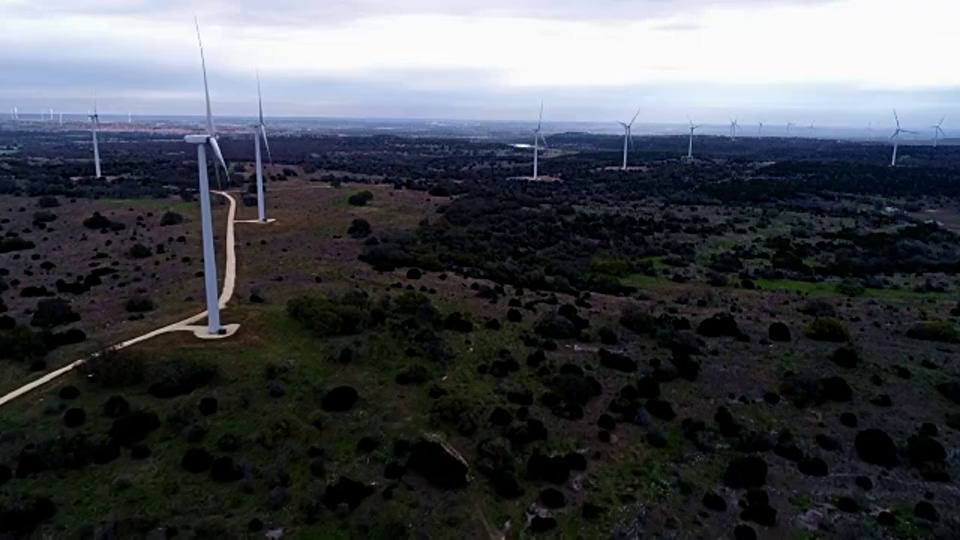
(186, 325)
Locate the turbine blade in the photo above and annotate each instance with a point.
(897, 118)
(263, 131)
(942, 118)
(260, 100)
(635, 117)
(206, 87)
(540, 121)
(215, 146)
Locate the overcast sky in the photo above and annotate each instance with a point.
(839, 62)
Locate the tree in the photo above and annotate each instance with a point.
(359, 228)
(360, 199)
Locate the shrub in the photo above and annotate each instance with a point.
(140, 251)
(850, 287)
(170, 218)
(935, 330)
(827, 329)
(638, 319)
(97, 221)
(53, 312)
(818, 308)
(15, 243)
(326, 317)
(47, 202)
(22, 344)
(140, 304)
(359, 228)
(360, 199)
(554, 326)
(179, 376)
(116, 368)
(44, 217)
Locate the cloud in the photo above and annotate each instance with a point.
(483, 59)
(300, 13)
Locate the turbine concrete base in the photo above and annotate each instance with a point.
(202, 332)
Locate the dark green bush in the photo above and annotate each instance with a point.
(360, 199)
(140, 304)
(850, 287)
(326, 317)
(116, 368)
(170, 218)
(22, 344)
(359, 228)
(638, 319)
(827, 329)
(179, 376)
(935, 330)
(48, 202)
(53, 312)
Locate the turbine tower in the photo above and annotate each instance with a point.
(627, 137)
(206, 219)
(734, 126)
(896, 138)
(760, 130)
(94, 127)
(690, 146)
(938, 131)
(261, 131)
(537, 137)
(810, 127)
(789, 125)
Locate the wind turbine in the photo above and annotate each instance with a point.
(938, 131)
(261, 131)
(537, 137)
(760, 130)
(789, 125)
(94, 127)
(690, 146)
(734, 126)
(896, 138)
(206, 219)
(626, 137)
(61, 118)
(810, 127)
(870, 130)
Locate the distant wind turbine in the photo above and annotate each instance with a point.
(810, 127)
(261, 131)
(129, 117)
(938, 131)
(789, 125)
(627, 137)
(734, 126)
(693, 128)
(760, 130)
(896, 138)
(61, 118)
(206, 219)
(870, 130)
(94, 127)
(537, 137)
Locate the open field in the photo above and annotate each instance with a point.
(618, 355)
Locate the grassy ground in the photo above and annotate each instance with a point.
(626, 476)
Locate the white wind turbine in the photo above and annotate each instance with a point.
(261, 131)
(206, 219)
(760, 130)
(693, 128)
(734, 126)
(626, 137)
(811, 127)
(94, 128)
(938, 131)
(789, 125)
(537, 137)
(896, 138)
